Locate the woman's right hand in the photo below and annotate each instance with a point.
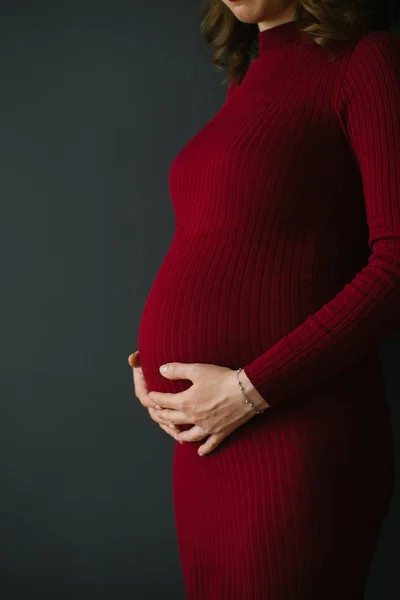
(142, 393)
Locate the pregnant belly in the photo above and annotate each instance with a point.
(200, 310)
(187, 321)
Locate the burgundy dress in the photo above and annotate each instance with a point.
(285, 261)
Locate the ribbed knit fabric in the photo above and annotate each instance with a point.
(285, 260)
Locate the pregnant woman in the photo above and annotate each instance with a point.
(281, 282)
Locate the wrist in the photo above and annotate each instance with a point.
(252, 393)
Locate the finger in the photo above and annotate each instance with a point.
(213, 441)
(140, 387)
(194, 434)
(134, 359)
(172, 416)
(154, 415)
(177, 370)
(139, 382)
(168, 430)
(166, 400)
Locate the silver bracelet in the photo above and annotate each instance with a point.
(259, 412)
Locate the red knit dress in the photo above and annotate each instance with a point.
(285, 261)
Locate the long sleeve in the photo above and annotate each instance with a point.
(356, 320)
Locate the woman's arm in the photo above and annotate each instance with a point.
(355, 321)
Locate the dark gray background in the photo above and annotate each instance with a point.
(96, 99)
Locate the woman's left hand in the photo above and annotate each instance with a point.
(214, 404)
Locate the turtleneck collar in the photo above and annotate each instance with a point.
(279, 34)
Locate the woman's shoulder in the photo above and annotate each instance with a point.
(372, 60)
(385, 38)
(375, 46)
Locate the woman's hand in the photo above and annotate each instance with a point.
(214, 403)
(141, 392)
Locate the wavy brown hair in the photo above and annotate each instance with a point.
(328, 22)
